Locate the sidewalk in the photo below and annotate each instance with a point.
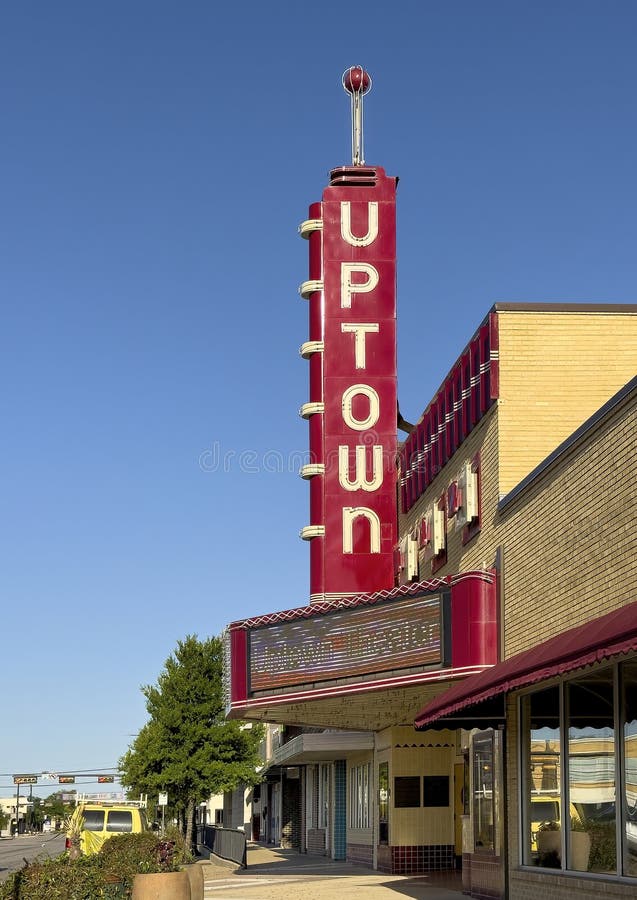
(276, 874)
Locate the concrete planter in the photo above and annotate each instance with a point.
(195, 876)
(161, 886)
(580, 850)
(549, 842)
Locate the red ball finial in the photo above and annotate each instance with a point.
(356, 80)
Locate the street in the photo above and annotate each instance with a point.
(13, 851)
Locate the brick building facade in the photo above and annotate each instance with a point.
(517, 499)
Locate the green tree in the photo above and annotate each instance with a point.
(5, 818)
(55, 808)
(187, 747)
(36, 814)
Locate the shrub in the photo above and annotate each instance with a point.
(549, 860)
(107, 874)
(181, 852)
(127, 854)
(58, 879)
(603, 857)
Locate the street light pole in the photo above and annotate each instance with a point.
(17, 810)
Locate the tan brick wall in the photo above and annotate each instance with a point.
(481, 549)
(556, 369)
(569, 540)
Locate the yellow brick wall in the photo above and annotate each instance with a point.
(556, 369)
(569, 540)
(481, 549)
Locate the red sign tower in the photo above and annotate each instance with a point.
(352, 356)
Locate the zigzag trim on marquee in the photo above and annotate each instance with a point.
(327, 606)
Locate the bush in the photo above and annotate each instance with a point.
(58, 879)
(603, 857)
(181, 853)
(107, 874)
(125, 855)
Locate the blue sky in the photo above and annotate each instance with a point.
(156, 160)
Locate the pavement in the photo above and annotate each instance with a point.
(277, 874)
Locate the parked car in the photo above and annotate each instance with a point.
(545, 813)
(100, 819)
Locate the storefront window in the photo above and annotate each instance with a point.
(324, 796)
(572, 816)
(543, 818)
(629, 692)
(359, 796)
(483, 792)
(591, 773)
(383, 803)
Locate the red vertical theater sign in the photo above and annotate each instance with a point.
(352, 357)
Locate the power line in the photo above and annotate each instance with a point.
(88, 770)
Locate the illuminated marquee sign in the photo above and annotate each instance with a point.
(352, 406)
(367, 639)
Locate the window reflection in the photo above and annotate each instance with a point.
(543, 818)
(383, 803)
(629, 679)
(483, 795)
(591, 773)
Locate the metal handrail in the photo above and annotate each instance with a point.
(227, 843)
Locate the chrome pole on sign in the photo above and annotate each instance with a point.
(357, 82)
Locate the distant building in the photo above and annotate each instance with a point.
(8, 805)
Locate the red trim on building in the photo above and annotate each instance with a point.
(328, 606)
(471, 632)
(342, 690)
(596, 641)
(465, 396)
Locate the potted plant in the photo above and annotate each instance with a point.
(148, 868)
(549, 840)
(168, 881)
(580, 846)
(603, 851)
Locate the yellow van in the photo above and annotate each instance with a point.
(97, 820)
(545, 811)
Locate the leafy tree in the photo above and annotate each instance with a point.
(187, 747)
(55, 808)
(5, 818)
(36, 814)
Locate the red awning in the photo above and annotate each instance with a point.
(593, 642)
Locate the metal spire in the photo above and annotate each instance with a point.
(357, 82)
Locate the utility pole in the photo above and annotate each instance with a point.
(17, 809)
